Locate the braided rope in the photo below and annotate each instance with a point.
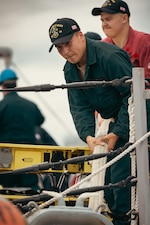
(131, 120)
(134, 189)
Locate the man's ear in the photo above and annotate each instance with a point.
(125, 18)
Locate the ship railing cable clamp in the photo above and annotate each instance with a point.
(121, 81)
(132, 214)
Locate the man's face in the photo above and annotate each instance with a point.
(74, 50)
(113, 24)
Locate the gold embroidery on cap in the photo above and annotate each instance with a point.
(108, 2)
(55, 30)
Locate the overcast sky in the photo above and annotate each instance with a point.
(24, 28)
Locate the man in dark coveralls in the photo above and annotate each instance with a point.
(89, 60)
(18, 119)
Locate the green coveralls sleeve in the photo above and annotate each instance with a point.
(120, 67)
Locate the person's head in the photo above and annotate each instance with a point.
(93, 36)
(114, 16)
(66, 36)
(8, 78)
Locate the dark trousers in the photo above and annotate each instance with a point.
(118, 199)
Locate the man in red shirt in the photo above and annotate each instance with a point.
(115, 17)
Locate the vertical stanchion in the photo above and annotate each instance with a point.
(142, 148)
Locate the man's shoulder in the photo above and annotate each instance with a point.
(26, 101)
(140, 35)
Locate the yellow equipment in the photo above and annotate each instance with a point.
(17, 156)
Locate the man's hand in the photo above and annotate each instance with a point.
(109, 139)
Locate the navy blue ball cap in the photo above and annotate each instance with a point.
(112, 7)
(62, 30)
(7, 74)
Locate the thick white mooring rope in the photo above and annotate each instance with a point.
(98, 180)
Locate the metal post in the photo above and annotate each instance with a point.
(142, 148)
